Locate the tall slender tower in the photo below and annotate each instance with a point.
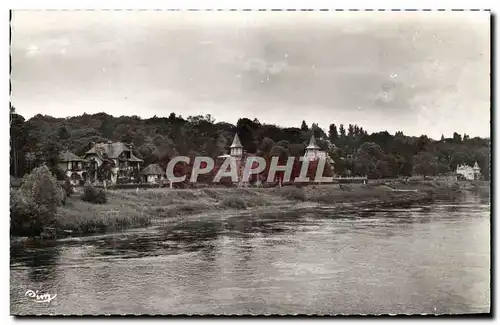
(236, 147)
(477, 170)
(312, 149)
(236, 153)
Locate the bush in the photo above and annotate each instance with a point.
(234, 202)
(27, 217)
(94, 195)
(33, 206)
(58, 173)
(68, 188)
(42, 187)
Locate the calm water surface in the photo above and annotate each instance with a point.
(432, 259)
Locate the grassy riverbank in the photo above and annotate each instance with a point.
(131, 208)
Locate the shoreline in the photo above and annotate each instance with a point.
(127, 209)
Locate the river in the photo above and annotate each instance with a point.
(431, 259)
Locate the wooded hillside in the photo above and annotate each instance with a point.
(156, 140)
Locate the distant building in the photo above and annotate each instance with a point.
(469, 173)
(236, 148)
(236, 152)
(117, 154)
(314, 152)
(72, 166)
(153, 174)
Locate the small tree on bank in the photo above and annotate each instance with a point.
(34, 205)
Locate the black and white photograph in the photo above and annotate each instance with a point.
(250, 162)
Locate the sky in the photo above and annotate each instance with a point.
(417, 72)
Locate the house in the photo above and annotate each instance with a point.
(469, 173)
(72, 166)
(153, 173)
(117, 155)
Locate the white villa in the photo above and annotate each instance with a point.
(469, 173)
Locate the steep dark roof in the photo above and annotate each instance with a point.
(111, 150)
(153, 169)
(68, 156)
(134, 158)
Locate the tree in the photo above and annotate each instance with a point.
(247, 131)
(457, 158)
(281, 152)
(333, 134)
(17, 142)
(342, 131)
(221, 144)
(350, 132)
(443, 168)
(63, 133)
(371, 161)
(424, 163)
(41, 186)
(296, 149)
(34, 205)
(304, 126)
(356, 130)
(395, 164)
(104, 171)
(317, 131)
(210, 119)
(266, 146)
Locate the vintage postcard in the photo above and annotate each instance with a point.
(250, 162)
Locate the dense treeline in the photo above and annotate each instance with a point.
(156, 140)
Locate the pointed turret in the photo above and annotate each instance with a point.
(312, 143)
(476, 166)
(236, 142)
(236, 147)
(312, 150)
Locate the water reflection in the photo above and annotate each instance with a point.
(187, 236)
(39, 256)
(406, 259)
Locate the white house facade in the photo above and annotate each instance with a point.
(469, 173)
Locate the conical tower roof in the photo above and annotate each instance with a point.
(476, 166)
(312, 143)
(236, 142)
